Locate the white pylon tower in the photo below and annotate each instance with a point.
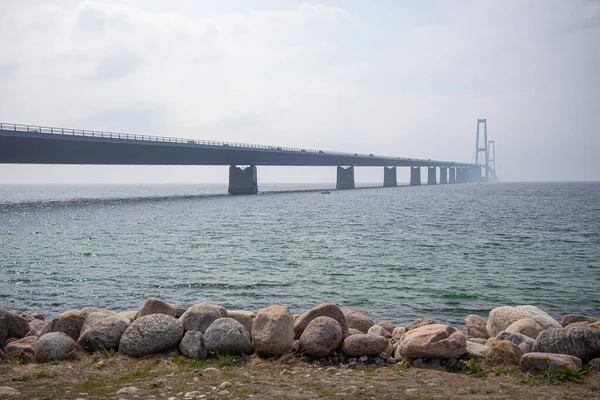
(482, 148)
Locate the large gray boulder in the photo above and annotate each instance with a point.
(540, 316)
(321, 337)
(364, 345)
(244, 317)
(273, 331)
(200, 316)
(387, 325)
(330, 310)
(476, 327)
(542, 361)
(151, 334)
(525, 343)
(380, 331)
(227, 336)
(102, 330)
(501, 318)
(156, 306)
(357, 318)
(581, 342)
(475, 350)
(192, 345)
(70, 322)
(53, 346)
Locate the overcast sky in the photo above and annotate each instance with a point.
(399, 78)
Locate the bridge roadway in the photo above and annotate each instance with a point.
(26, 144)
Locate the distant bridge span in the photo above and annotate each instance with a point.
(27, 144)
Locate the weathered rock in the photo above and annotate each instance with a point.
(433, 341)
(525, 343)
(475, 350)
(151, 334)
(330, 310)
(21, 349)
(387, 352)
(102, 330)
(595, 325)
(192, 345)
(417, 323)
(572, 318)
(200, 316)
(245, 318)
(36, 327)
(389, 326)
(273, 331)
(503, 352)
(543, 361)
(155, 306)
(7, 391)
(364, 345)
(226, 335)
(17, 326)
(54, 346)
(595, 364)
(583, 342)
(501, 318)
(379, 331)
(353, 331)
(476, 326)
(577, 325)
(525, 326)
(480, 341)
(129, 315)
(398, 333)
(70, 322)
(540, 316)
(179, 309)
(3, 328)
(357, 318)
(321, 337)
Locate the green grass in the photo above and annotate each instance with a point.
(108, 353)
(38, 375)
(400, 369)
(475, 369)
(224, 360)
(54, 362)
(499, 370)
(554, 377)
(98, 385)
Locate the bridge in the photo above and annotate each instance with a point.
(28, 144)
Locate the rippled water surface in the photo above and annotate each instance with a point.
(444, 251)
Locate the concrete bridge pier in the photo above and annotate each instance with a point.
(431, 176)
(415, 176)
(243, 180)
(459, 175)
(452, 175)
(443, 175)
(345, 178)
(390, 178)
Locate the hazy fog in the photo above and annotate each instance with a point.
(400, 78)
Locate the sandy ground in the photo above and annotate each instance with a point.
(100, 376)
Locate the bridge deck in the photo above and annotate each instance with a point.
(24, 144)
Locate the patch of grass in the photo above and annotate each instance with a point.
(554, 377)
(50, 397)
(224, 360)
(499, 370)
(17, 363)
(321, 392)
(98, 385)
(54, 362)
(475, 369)
(108, 353)
(38, 375)
(179, 359)
(400, 369)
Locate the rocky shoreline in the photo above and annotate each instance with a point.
(524, 336)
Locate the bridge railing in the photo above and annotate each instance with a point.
(166, 139)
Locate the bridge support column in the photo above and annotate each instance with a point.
(415, 176)
(431, 177)
(452, 174)
(243, 181)
(459, 175)
(390, 178)
(345, 178)
(443, 175)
